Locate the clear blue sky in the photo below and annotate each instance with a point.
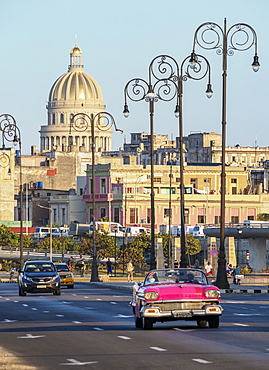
(118, 40)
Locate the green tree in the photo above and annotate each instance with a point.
(193, 245)
(263, 217)
(60, 243)
(105, 245)
(8, 237)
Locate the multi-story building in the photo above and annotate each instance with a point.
(123, 195)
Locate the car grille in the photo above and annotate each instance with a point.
(40, 280)
(170, 306)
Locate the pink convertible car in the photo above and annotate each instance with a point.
(176, 294)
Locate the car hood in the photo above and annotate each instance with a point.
(40, 274)
(179, 291)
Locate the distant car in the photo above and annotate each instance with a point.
(198, 230)
(66, 276)
(176, 294)
(39, 277)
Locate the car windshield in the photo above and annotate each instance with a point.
(39, 267)
(61, 268)
(180, 275)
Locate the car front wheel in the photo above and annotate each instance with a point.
(148, 324)
(138, 322)
(21, 292)
(57, 292)
(213, 322)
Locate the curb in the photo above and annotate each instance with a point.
(240, 291)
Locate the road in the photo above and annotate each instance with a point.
(93, 327)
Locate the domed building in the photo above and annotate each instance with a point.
(73, 92)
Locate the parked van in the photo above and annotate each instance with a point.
(188, 230)
(136, 230)
(198, 230)
(43, 232)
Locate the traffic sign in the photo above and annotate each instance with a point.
(214, 253)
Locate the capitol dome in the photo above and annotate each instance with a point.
(75, 85)
(73, 92)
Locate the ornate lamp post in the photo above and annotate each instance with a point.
(165, 83)
(200, 70)
(161, 85)
(11, 133)
(225, 42)
(81, 122)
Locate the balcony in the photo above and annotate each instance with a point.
(98, 197)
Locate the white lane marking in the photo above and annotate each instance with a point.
(123, 316)
(240, 324)
(184, 329)
(89, 308)
(76, 322)
(25, 305)
(15, 301)
(98, 329)
(263, 307)
(46, 311)
(7, 320)
(98, 299)
(74, 294)
(60, 315)
(247, 314)
(158, 349)
(201, 361)
(30, 336)
(86, 297)
(34, 309)
(235, 302)
(78, 363)
(123, 337)
(7, 299)
(113, 302)
(67, 302)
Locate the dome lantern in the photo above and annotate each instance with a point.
(75, 59)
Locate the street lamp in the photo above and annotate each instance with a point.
(225, 42)
(165, 83)
(239, 232)
(161, 85)
(103, 121)
(50, 211)
(11, 133)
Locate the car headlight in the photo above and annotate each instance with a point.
(151, 295)
(212, 293)
(70, 275)
(27, 278)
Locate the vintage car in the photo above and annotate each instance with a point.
(175, 294)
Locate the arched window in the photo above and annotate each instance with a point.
(53, 118)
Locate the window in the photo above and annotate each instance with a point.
(201, 219)
(63, 216)
(251, 218)
(90, 214)
(133, 216)
(217, 219)
(62, 118)
(103, 186)
(167, 212)
(54, 217)
(234, 181)
(157, 179)
(116, 217)
(48, 194)
(235, 220)
(234, 190)
(53, 118)
(103, 212)
(194, 182)
(178, 179)
(148, 216)
(186, 216)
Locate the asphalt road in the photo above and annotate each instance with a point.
(93, 327)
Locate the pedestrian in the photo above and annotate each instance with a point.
(236, 273)
(196, 264)
(109, 267)
(130, 269)
(82, 268)
(69, 263)
(176, 264)
(208, 269)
